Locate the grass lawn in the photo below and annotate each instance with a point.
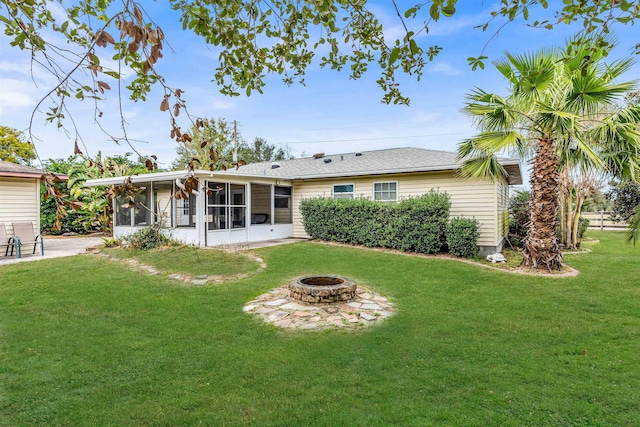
(88, 342)
(189, 260)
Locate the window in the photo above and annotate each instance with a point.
(186, 212)
(282, 197)
(261, 204)
(343, 191)
(385, 191)
(136, 212)
(123, 212)
(142, 209)
(282, 205)
(226, 206)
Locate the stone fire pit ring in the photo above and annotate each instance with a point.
(322, 289)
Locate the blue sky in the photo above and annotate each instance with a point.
(331, 114)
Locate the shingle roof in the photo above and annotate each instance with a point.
(393, 160)
(13, 169)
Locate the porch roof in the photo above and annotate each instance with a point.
(170, 176)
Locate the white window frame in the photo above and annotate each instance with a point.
(352, 193)
(381, 191)
(228, 206)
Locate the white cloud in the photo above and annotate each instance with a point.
(443, 68)
(15, 94)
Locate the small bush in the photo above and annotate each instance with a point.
(147, 238)
(462, 237)
(111, 243)
(519, 217)
(583, 224)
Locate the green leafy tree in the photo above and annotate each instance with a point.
(212, 145)
(255, 39)
(261, 151)
(13, 147)
(550, 113)
(96, 208)
(49, 208)
(91, 208)
(626, 198)
(598, 201)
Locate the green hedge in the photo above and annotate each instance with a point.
(462, 237)
(415, 224)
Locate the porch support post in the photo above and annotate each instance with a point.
(247, 210)
(273, 204)
(201, 207)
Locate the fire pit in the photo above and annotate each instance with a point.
(322, 289)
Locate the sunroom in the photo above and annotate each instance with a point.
(224, 209)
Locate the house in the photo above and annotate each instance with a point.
(19, 195)
(260, 201)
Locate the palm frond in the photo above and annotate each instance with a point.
(617, 68)
(535, 72)
(633, 231)
(491, 111)
(589, 94)
(482, 167)
(504, 67)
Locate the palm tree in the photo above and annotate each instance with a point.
(553, 114)
(633, 231)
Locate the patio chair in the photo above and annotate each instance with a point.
(24, 231)
(6, 242)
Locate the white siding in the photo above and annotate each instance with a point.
(19, 202)
(469, 198)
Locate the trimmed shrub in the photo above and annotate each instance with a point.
(415, 224)
(462, 237)
(147, 238)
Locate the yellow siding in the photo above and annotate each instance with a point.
(281, 216)
(470, 199)
(164, 206)
(19, 202)
(261, 199)
(503, 209)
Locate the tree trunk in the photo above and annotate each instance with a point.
(562, 202)
(540, 246)
(576, 220)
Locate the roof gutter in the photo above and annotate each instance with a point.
(151, 177)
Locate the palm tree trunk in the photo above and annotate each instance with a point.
(540, 245)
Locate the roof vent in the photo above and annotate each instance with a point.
(358, 154)
(327, 160)
(318, 155)
(341, 157)
(275, 165)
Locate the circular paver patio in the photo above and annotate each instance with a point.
(278, 308)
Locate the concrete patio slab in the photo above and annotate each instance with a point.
(54, 247)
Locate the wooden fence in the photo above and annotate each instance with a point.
(602, 220)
